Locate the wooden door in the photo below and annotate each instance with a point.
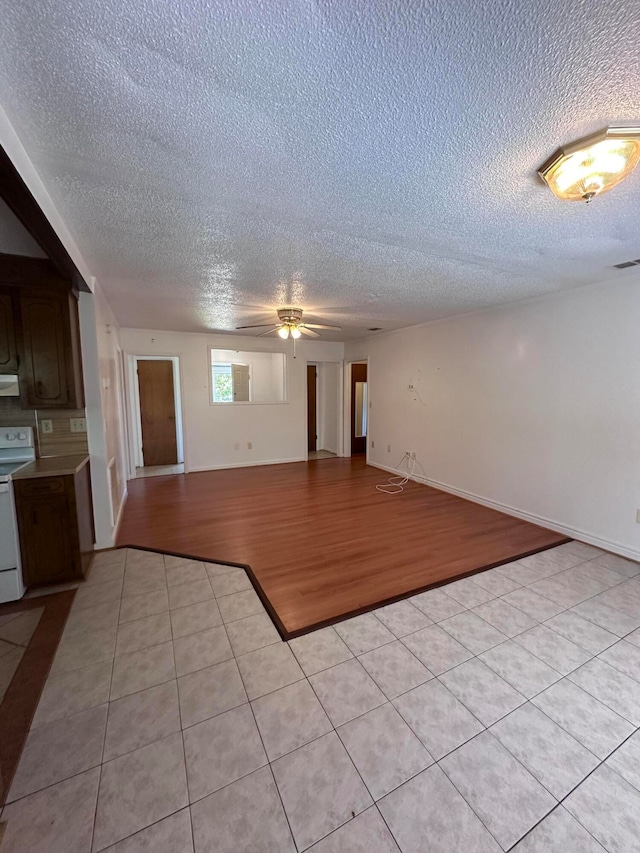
(312, 437)
(157, 413)
(359, 413)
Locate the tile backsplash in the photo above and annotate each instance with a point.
(61, 441)
(12, 415)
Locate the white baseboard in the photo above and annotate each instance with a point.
(248, 464)
(123, 501)
(109, 543)
(550, 523)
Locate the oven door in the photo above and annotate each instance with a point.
(8, 531)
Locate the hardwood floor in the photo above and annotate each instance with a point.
(320, 540)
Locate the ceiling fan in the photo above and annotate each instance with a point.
(290, 325)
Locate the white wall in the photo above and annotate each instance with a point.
(104, 398)
(277, 431)
(534, 406)
(329, 411)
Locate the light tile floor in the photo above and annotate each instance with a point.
(500, 712)
(16, 630)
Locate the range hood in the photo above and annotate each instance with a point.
(9, 386)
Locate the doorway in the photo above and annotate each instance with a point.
(156, 415)
(359, 408)
(323, 409)
(312, 415)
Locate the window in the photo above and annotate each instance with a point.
(247, 377)
(222, 383)
(231, 383)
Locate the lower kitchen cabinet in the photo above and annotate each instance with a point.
(55, 525)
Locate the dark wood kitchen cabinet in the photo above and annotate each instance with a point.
(8, 348)
(40, 309)
(50, 370)
(55, 525)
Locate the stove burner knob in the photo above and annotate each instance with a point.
(11, 436)
(22, 436)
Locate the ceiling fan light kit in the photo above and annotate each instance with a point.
(593, 164)
(290, 325)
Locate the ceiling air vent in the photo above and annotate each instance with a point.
(375, 329)
(625, 264)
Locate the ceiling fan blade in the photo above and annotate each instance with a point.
(306, 331)
(320, 326)
(268, 332)
(256, 326)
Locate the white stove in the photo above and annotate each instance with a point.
(16, 450)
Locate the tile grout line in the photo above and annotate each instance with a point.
(106, 727)
(527, 700)
(335, 730)
(184, 753)
(264, 748)
(529, 772)
(435, 761)
(589, 774)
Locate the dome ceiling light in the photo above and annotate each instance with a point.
(592, 165)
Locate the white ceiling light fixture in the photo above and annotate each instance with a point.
(593, 164)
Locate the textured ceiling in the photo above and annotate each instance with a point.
(372, 162)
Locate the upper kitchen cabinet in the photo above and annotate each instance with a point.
(47, 334)
(50, 371)
(8, 348)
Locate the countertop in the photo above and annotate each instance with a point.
(52, 466)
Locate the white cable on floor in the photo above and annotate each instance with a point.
(391, 487)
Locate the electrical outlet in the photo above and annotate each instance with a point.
(249, 445)
(46, 427)
(78, 424)
(388, 448)
(411, 388)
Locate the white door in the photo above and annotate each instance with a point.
(240, 374)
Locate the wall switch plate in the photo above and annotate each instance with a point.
(638, 516)
(388, 448)
(373, 444)
(249, 445)
(78, 424)
(46, 426)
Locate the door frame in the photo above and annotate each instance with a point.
(346, 405)
(319, 363)
(134, 423)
